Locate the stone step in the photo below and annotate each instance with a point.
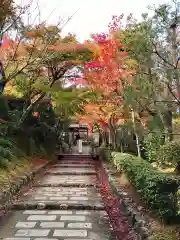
(69, 173)
(65, 185)
(56, 225)
(76, 155)
(76, 162)
(31, 205)
(65, 165)
(63, 189)
(62, 195)
(68, 179)
(64, 205)
(71, 169)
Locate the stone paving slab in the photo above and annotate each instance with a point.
(89, 163)
(90, 166)
(63, 195)
(71, 161)
(53, 180)
(62, 192)
(71, 171)
(56, 224)
(28, 205)
(66, 185)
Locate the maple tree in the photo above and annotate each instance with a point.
(107, 74)
(35, 65)
(36, 61)
(109, 71)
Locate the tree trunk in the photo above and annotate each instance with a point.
(3, 80)
(112, 131)
(30, 107)
(168, 125)
(136, 134)
(174, 50)
(103, 144)
(177, 170)
(111, 138)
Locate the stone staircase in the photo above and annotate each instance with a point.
(64, 205)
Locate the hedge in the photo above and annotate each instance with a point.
(169, 154)
(158, 190)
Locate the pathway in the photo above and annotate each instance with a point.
(64, 205)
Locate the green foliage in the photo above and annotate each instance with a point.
(9, 15)
(4, 163)
(153, 142)
(6, 153)
(35, 71)
(3, 109)
(5, 143)
(169, 154)
(157, 189)
(105, 153)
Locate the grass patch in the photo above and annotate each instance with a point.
(163, 232)
(15, 169)
(122, 179)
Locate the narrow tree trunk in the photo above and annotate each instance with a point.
(3, 79)
(112, 131)
(168, 125)
(106, 138)
(136, 134)
(99, 132)
(174, 50)
(111, 137)
(30, 107)
(103, 138)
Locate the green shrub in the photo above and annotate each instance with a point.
(4, 163)
(158, 190)
(152, 144)
(5, 143)
(6, 153)
(169, 154)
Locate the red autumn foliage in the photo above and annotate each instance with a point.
(113, 206)
(103, 123)
(107, 73)
(35, 114)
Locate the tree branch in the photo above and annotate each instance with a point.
(177, 63)
(159, 55)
